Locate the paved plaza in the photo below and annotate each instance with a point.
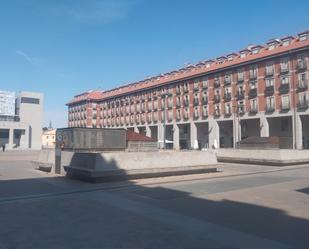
(241, 206)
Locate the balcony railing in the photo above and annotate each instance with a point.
(178, 104)
(284, 88)
(302, 84)
(252, 75)
(240, 78)
(270, 108)
(252, 92)
(227, 97)
(205, 100)
(216, 83)
(186, 102)
(241, 109)
(205, 114)
(269, 90)
(240, 94)
(284, 107)
(205, 85)
(253, 109)
(196, 87)
(195, 102)
(217, 98)
(228, 111)
(301, 65)
(284, 70)
(227, 80)
(303, 104)
(185, 89)
(196, 115)
(269, 72)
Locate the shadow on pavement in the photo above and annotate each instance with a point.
(74, 216)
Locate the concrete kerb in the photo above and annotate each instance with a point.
(272, 157)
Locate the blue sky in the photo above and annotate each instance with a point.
(64, 47)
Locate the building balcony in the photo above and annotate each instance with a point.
(178, 90)
(186, 103)
(284, 88)
(205, 100)
(253, 110)
(195, 102)
(284, 107)
(302, 85)
(269, 90)
(204, 85)
(216, 83)
(196, 88)
(178, 104)
(269, 72)
(185, 89)
(270, 108)
(227, 112)
(217, 113)
(227, 97)
(227, 80)
(252, 75)
(284, 70)
(196, 115)
(241, 109)
(303, 104)
(186, 116)
(301, 65)
(217, 98)
(252, 93)
(240, 79)
(240, 95)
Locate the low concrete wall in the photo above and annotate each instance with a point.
(278, 157)
(45, 160)
(140, 164)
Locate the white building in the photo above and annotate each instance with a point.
(21, 118)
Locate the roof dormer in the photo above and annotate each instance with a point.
(287, 40)
(256, 49)
(231, 56)
(273, 44)
(303, 36)
(208, 63)
(221, 59)
(243, 53)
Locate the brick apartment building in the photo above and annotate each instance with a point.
(259, 91)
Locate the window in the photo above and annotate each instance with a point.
(302, 77)
(285, 80)
(253, 104)
(270, 103)
(284, 65)
(285, 102)
(28, 100)
(205, 82)
(269, 82)
(303, 37)
(269, 69)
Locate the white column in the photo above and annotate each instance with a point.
(214, 134)
(148, 131)
(24, 139)
(11, 138)
(193, 136)
(264, 126)
(236, 131)
(297, 132)
(160, 135)
(136, 129)
(176, 137)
